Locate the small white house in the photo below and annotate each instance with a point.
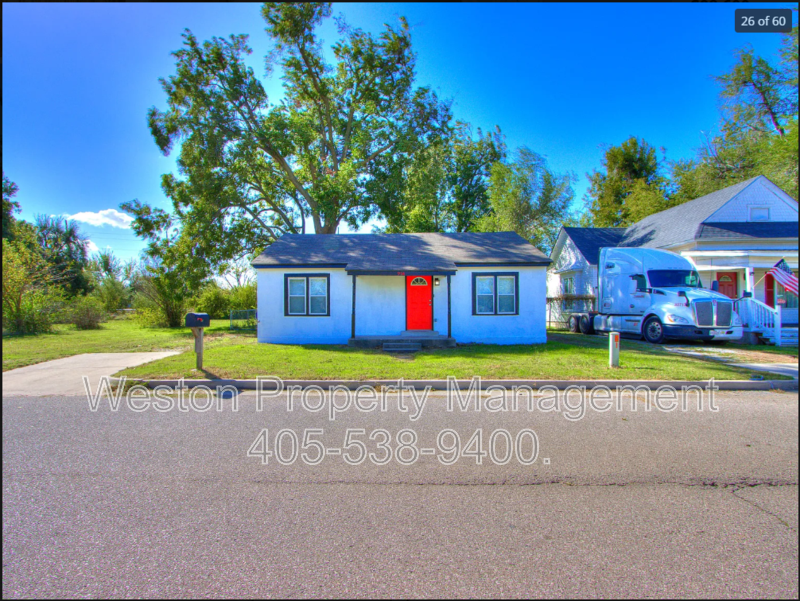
(370, 289)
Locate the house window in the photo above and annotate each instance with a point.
(484, 295)
(759, 213)
(569, 285)
(495, 294)
(419, 282)
(307, 295)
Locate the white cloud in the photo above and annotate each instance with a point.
(92, 247)
(110, 217)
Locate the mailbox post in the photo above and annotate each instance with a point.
(197, 322)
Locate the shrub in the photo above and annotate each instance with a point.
(160, 300)
(37, 312)
(112, 294)
(213, 300)
(148, 317)
(31, 299)
(86, 312)
(243, 297)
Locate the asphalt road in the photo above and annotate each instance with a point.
(631, 504)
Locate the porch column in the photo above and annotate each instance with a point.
(449, 326)
(353, 316)
(749, 279)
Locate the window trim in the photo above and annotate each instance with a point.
(762, 207)
(495, 274)
(306, 276)
(564, 281)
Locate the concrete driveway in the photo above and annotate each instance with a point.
(631, 504)
(65, 376)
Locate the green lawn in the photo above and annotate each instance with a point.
(565, 356)
(238, 355)
(115, 336)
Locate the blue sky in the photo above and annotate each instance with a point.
(562, 79)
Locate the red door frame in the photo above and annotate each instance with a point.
(429, 279)
(769, 290)
(734, 277)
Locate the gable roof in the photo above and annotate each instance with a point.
(680, 224)
(392, 253)
(747, 229)
(589, 240)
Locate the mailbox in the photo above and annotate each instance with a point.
(198, 320)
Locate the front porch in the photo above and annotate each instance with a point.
(769, 312)
(401, 311)
(409, 340)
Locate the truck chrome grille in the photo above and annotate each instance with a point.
(704, 312)
(724, 313)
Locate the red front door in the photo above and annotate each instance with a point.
(769, 290)
(728, 283)
(419, 302)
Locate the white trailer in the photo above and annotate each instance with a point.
(656, 294)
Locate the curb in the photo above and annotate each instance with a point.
(271, 385)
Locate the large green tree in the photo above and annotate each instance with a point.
(527, 197)
(472, 168)
(445, 185)
(65, 248)
(333, 150)
(10, 206)
(758, 128)
(759, 95)
(631, 166)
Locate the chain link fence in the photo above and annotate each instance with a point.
(244, 319)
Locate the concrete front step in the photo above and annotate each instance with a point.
(402, 347)
(429, 341)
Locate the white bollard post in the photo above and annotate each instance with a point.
(613, 349)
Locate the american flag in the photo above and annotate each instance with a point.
(783, 274)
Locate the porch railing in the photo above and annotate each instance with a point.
(759, 317)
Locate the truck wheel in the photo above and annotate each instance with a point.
(653, 330)
(587, 324)
(574, 325)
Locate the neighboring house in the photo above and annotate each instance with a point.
(356, 288)
(734, 236)
(572, 278)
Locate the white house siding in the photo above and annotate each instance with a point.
(380, 305)
(758, 194)
(584, 274)
(526, 328)
(275, 327)
(381, 309)
(440, 305)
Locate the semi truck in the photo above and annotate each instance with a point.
(656, 295)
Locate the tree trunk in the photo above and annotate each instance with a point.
(327, 228)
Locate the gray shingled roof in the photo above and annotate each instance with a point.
(590, 240)
(400, 252)
(679, 224)
(736, 229)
